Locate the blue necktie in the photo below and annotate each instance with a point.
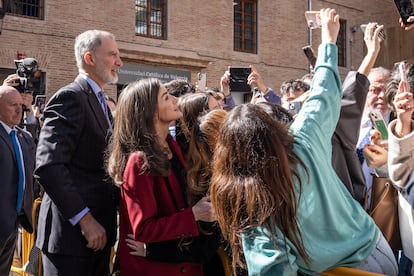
(20, 166)
(102, 101)
(364, 142)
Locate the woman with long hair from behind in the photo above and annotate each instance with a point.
(254, 151)
(277, 198)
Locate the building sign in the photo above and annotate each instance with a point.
(130, 72)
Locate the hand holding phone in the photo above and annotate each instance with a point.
(380, 35)
(405, 9)
(40, 102)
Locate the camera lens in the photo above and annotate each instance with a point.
(247, 71)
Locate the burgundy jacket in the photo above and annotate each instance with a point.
(148, 209)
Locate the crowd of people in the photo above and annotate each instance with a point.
(175, 179)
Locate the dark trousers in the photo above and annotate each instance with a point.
(7, 252)
(59, 265)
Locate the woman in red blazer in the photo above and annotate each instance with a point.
(149, 167)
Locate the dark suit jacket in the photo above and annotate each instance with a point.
(344, 158)
(9, 181)
(70, 167)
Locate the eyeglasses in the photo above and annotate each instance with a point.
(207, 100)
(376, 90)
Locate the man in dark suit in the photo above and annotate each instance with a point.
(12, 212)
(77, 219)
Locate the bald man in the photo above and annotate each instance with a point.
(11, 212)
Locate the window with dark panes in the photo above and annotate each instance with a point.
(29, 8)
(341, 43)
(151, 19)
(245, 26)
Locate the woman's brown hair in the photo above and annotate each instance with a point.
(200, 153)
(134, 131)
(253, 181)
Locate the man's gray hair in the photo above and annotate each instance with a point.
(88, 41)
(381, 71)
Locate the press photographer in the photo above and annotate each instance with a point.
(26, 80)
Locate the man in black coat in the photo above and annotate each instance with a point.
(77, 219)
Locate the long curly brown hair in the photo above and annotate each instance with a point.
(253, 181)
(203, 139)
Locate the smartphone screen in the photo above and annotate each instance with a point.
(40, 102)
(238, 79)
(405, 9)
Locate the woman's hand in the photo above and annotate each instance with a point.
(138, 248)
(254, 98)
(302, 98)
(409, 27)
(330, 25)
(255, 80)
(203, 210)
(404, 107)
(371, 37)
(375, 137)
(375, 155)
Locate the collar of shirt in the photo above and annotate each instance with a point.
(364, 129)
(6, 127)
(387, 115)
(95, 87)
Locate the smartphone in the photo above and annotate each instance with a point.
(380, 35)
(403, 75)
(310, 55)
(238, 79)
(294, 107)
(202, 79)
(379, 124)
(40, 102)
(256, 91)
(313, 18)
(405, 9)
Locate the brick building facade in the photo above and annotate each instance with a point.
(199, 38)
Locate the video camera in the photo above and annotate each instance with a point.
(28, 73)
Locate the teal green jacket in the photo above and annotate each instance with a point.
(336, 231)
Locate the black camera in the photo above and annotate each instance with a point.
(28, 73)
